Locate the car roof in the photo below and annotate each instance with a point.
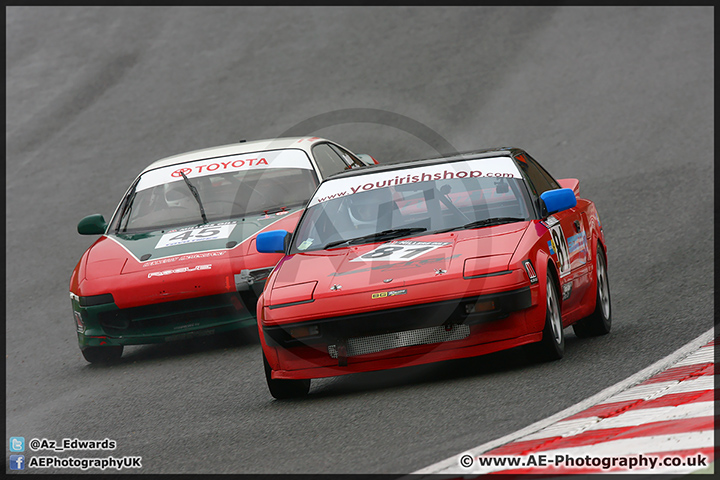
(303, 143)
(471, 154)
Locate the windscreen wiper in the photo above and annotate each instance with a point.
(486, 223)
(127, 208)
(195, 193)
(384, 235)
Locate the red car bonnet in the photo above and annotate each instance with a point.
(339, 268)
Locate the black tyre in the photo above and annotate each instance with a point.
(102, 354)
(285, 389)
(552, 345)
(600, 321)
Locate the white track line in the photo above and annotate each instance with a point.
(451, 465)
(656, 390)
(625, 419)
(704, 355)
(631, 418)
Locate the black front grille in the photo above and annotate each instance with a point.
(378, 322)
(172, 313)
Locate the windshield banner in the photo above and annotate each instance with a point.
(291, 158)
(498, 167)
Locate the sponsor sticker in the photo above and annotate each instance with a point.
(192, 256)
(499, 167)
(566, 290)
(185, 336)
(412, 264)
(189, 325)
(306, 244)
(202, 233)
(577, 245)
(196, 268)
(291, 158)
(577, 242)
(551, 247)
(398, 251)
(391, 293)
(549, 222)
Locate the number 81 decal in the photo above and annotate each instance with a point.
(559, 245)
(398, 251)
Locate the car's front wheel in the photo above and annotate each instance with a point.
(552, 345)
(600, 321)
(285, 389)
(102, 354)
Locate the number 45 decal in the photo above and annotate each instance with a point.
(560, 246)
(398, 251)
(200, 234)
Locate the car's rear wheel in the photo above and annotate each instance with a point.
(285, 389)
(552, 345)
(600, 321)
(102, 354)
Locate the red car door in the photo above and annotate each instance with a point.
(569, 246)
(568, 243)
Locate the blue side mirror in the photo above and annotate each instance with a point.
(272, 241)
(558, 200)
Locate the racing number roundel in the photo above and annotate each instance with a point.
(399, 251)
(559, 244)
(196, 234)
(386, 252)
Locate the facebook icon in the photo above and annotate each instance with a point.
(17, 462)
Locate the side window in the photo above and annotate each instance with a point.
(328, 160)
(553, 183)
(540, 180)
(349, 158)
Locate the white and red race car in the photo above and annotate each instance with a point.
(177, 259)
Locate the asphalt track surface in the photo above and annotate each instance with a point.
(621, 98)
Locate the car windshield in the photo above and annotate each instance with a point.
(409, 201)
(226, 187)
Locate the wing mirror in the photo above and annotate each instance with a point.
(92, 225)
(274, 241)
(558, 200)
(502, 187)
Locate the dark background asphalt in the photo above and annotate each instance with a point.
(621, 98)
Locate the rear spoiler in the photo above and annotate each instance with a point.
(571, 183)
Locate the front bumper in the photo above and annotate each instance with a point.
(106, 324)
(336, 330)
(318, 367)
(403, 336)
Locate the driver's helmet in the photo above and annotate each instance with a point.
(371, 207)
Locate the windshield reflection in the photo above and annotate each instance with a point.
(223, 196)
(405, 210)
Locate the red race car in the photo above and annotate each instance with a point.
(177, 258)
(430, 260)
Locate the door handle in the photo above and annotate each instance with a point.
(577, 225)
